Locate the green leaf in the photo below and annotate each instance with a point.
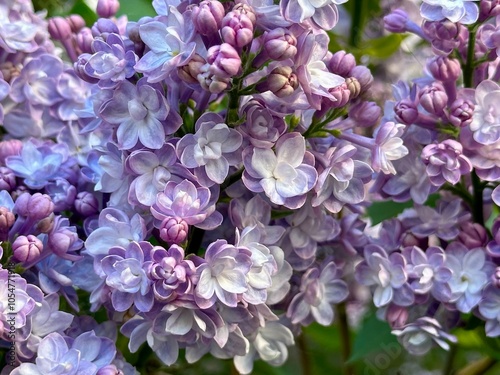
(135, 9)
(81, 8)
(383, 47)
(380, 211)
(375, 336)
(477, 340)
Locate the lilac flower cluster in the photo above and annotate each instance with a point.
(203, 176)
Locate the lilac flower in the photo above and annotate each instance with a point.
(62, 194)
(195, 205)
(270, 345)
(140, 113)
(115, 228)
(444, 221)
(37, 81)
(36, 164)
(428, 272)
(463, 11)
(63, 239)
(170, 272)
(17, 33)
(285, 175)
(111, 62)
(341, 179)
(388, 276)
(223, 276)
(211, 150)
(419, 336)
(324, 14)
(485, 123)
(470, 275)
(489, 307)
(445, 162)
(126, 274)
(319, 288)
(169, 46)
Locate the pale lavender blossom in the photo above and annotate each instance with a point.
(319, 289)
(169, 46)
(489, 307)
(324, 14)
(427, 272)
(285, 175)
(419, 336)
(485, 123)
(211, 150)
(142, 114)
(17, 33)
(195, 205)
(470, 275)
(223, 276)
(444, 221)
(387, 274)
(341, 178)
(445, 162)
(463, 11)
(37, 81)
(75, 94)
(126, 275)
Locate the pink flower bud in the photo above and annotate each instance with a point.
(224, 60)
(26, 249)
(395, 22)
(341, 93)
(35, 207)
(488, 8)
(7, 220)
(365, 113)
(174, 230)
(207, 17)
(461, 112)
(247, 10)
(76, 22)
(86, 204)
(189, 72)
(397, 316)
(473, 235)
(59, 28)
(11, 147)
(211, 82)
(84, 40)
(342, 63)
(406, 111)
(237, 30)
(107, 8)
(363, 75)
(7, 179)
(280, 44)
(282, 82)
(433, 98)
(444, 69)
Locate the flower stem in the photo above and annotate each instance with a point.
(448, 366)
(357, 23)
(345, 338)
(477, 209)
(468, 69)
(304, 355)
(478, 367)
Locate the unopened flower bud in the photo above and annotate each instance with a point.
(103, 27)
(353, 86)
(342, 63)
(237, 29)
(341, 93)
(433, 99)
(282, 82)
(11, 147)
(59, 28)
(365, 113)
(26, 249)
(7, 179)
(444, 69)
(86, 204)
(473, 235)
(224, 60)
(396, 316)
(76, 22)
(495, 278)
(488, 8)
(189, 72)
(280, 44)
(46, 224)
(107, 8)
(363, 75)
(207, 17)
(84, 40)
(7, 220)
(247, 10)
(461, 112)
(211, 82)
(395, 22)
(174, 230)
(35, 207)
(406, 111)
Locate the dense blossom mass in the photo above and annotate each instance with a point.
(201, 178)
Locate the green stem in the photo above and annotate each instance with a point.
(478, 367)
(195, 240)
(304, 355)
(477, 209)
(345, 338)
(448, 367)
(357, 23)
(468, 69)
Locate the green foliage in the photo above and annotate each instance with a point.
(135, 9)
(80, 7)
